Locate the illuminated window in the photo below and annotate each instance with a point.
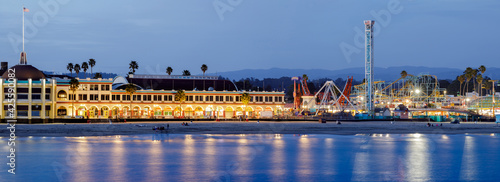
(62, 94)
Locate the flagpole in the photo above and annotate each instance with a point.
(23, 28)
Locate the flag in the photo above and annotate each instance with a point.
(26, 9)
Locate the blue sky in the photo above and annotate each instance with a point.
(250, 34)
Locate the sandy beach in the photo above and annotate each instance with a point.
(264, 127)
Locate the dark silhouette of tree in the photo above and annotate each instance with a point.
(245, 99)
(77, 69)
(85, 67)
(97, 75)
(73, 85)
(169, 70)
(130, 89)
(204, 68)
(70, 68)
(133, 66)
(91, 64)
(180, 97)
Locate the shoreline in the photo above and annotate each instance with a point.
(264, 127)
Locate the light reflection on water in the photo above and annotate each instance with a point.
(176, 157)
(469, 167)
(188, 158)
(154, 160)
(278, 165)
(304, 157)
(84, 153)
(417, 165)
(118, 150)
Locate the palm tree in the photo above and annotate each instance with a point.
(487, 86)
(133, 66)
(85, 67)
(204, 68)
(468, 77)
(77, 69)
(481, 69)
(305, 77)
(461, 79)
(404, 74)
(186, 73)
(73, 85)
(474, 76)
(180, 97)
(130, 89)
(91, 64)
(479, 79)
(245, 99)
(70, 68)
(97, 75)
(169, 70)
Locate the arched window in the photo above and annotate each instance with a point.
(61, 111)
(62, 94)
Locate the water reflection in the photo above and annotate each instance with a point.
(118, 161)
(385, 157)
(304, 159)
(245, 155)
(469, 167)
(328, 166)
(278, 168)
(155, 162)
(188, 158)
(417, 158)
(79, 160)
(209, 160)
(362, 157)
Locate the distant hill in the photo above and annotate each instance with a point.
(387, 74)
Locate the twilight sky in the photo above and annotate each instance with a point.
(249, 34)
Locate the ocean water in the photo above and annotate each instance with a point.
(262, 157)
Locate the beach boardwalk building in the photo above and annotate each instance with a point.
(41, 97)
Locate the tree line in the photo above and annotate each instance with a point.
(83, 67)
(471, 80)
(133, 66)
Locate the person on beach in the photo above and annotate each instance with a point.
(168, 126)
